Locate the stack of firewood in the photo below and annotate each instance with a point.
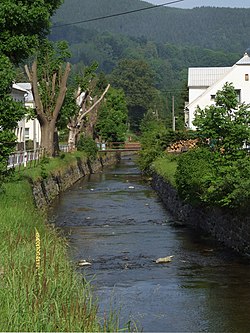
(182, 146)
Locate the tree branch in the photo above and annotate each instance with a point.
(95, 104)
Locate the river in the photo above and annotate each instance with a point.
(115, 221)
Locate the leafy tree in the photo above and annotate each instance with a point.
(136, 78)
(10, 113)
(226, 125)
(22, 25)
(112, 118)
(48, 76)
(154, 139)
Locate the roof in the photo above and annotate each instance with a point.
(244, 61)
(205, 76)
(18, 87)
(27, 87)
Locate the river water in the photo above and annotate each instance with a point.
(115, 221)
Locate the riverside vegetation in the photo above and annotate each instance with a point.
(216, 173)
(47, 295)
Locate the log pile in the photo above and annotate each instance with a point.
(182, 146)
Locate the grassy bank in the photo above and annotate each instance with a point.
(39, 294)
(166, 167)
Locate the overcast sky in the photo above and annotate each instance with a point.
(199, 3)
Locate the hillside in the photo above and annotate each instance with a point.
(226, 29)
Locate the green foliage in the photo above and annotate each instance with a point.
(154, 140)
(88, 146)
(112, 118)
(51, 57)
(167, 25)
(194, 173)
(136, 78)
(218, 173)
(85, 81)
(22, 25)
(166, 167)
(167, 62)
(53, 297)
(10, 113)
(226, 124)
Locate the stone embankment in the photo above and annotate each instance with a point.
(230, 229)
(45, 190)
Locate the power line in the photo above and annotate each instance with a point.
(117, 14)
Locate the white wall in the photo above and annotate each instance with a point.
(236, 76)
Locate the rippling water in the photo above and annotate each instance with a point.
(115, 221)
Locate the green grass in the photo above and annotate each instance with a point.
(53, 297)
(50, 165)
(166, 167)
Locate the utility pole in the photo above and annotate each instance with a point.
(173, 115)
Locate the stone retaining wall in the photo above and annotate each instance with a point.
(230, 229)
(45, 190)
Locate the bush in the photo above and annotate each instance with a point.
(194, 174)
(87, 145)
(204, 177)
(154, 140)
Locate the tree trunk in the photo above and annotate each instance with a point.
(90, 125)
(56, 143)
(47, 137)
(72, 139)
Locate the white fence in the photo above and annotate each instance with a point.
(29, 157)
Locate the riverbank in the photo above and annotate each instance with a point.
(39, 288)
(226, 226)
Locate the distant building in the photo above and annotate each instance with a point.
(28, 130)
(204, 82)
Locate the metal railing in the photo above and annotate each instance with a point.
(28, 158)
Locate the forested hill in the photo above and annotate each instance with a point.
(226, 29)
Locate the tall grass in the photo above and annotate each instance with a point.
(166, 167)
(46, 297)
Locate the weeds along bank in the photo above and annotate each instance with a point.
(39, 288)
(226, 225)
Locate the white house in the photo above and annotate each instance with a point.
(28, 129)
(203, 84)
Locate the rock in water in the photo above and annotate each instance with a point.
(164, 260)
(83, 263)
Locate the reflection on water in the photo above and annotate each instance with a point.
(116, 221)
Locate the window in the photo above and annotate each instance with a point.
(246, 77)
(238, 92)
(212, 97)
(27, 133)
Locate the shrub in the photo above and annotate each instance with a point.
(194, 174)
(87, 145)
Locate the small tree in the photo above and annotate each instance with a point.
(112, 118)
(225, 126)
(48, 76)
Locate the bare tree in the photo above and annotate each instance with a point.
(85, 105)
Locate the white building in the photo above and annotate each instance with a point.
(203, 84)
(28, 129)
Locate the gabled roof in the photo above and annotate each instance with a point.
(245, 60)
(205, 76)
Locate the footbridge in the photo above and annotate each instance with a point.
(119, 147)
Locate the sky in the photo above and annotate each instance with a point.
(199, 3)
